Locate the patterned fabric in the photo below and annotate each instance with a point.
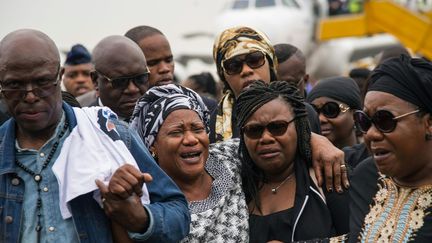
(241, 40)
(223, 216)
(398, 214)
(224, 117)
(158, 102)
(232, 42)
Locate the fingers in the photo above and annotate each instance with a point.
(337, 176)
(124, 185)
(318, 173)
(128, 180)
(102, 188)
(147, 177)
(328, 172)
(345, 180)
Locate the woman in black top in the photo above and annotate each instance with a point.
(285, 203)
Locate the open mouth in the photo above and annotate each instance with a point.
(164, 82)
(191, 157)
(380, 154)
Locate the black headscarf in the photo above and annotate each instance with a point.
(407, 78)
(343, 89)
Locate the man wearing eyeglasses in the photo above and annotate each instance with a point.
(121, 74)
(31, 145)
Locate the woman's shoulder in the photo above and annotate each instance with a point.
(226, 148)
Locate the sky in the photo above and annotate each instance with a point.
(88, 21)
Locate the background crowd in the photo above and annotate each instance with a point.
(110, 147)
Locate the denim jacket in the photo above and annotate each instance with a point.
(168, 210)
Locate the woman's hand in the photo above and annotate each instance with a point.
(327, 157)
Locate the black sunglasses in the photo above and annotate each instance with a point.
(383, 120)
(331, 109)
(235, 64)
(276, 128)
(122, 83)
(17, 90)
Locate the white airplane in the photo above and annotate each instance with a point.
(283, 21)
(294, 22)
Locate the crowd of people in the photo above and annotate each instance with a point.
(109, 147)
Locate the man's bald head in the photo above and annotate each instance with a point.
(117, 50)
(119, 58)
(31, 57)
(25, 46)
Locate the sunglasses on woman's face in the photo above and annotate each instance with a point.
(331, 109)
(383, 120)
(235, 64)
(276, 128)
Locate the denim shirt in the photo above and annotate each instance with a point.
(54, 227)
(168, 210)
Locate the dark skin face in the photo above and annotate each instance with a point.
(339, 130)
(123, 60)
(159, 57)
(76, 78)
(293, 71)
(26, 58)
(403, 154)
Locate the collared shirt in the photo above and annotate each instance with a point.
(54, 227)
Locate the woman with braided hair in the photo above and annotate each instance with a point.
(285, 203)
(242, 56)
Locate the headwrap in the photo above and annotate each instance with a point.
(158, 102)
(407, 78)
(343, 89)
(242, 40)
(232, 42)
(78, 55)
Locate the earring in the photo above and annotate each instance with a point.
(153, 154)
(428, 136)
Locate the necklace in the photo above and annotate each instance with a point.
(38, 178)
(274, 189)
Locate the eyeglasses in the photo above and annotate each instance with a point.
(235, 64)
(331, 109)
(122, 83)
(383, 120)
(17, 90)
(276, 128)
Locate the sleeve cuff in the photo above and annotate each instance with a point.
(145, 235)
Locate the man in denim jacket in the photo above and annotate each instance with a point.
(31, 141)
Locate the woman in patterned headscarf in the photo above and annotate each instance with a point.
(231, 47)
(173, 123)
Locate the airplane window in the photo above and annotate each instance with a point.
(240, 4)
(265, 3)
(290, 3)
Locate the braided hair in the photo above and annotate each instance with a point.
(250, 100)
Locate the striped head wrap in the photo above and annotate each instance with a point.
(158, 102)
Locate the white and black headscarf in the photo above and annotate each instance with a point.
(158, 102)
